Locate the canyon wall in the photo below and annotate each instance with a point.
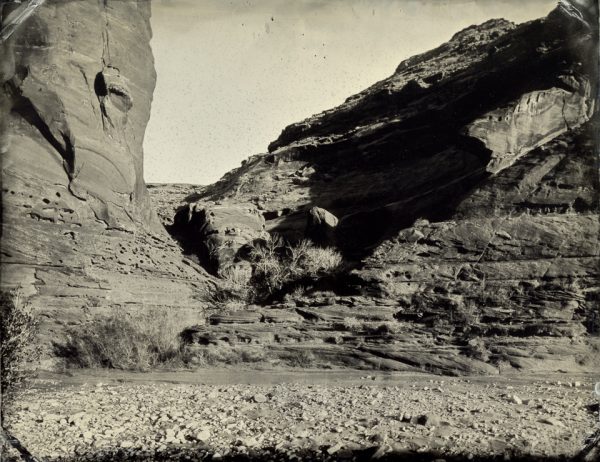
(465, 189)
(462, 192)
(79, 235)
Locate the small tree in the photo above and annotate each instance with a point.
(18, 329)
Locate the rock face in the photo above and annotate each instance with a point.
(78, 229)
(217, 233)
(88, 114)
(369, 161)
(167, 198)
(462, 190)
(467, 195)
(536, 117)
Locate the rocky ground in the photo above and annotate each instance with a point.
(335, 417)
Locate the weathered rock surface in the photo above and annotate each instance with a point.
(369, 161)
(218, 232)
(78, 230)
(463, 189)
(467, 196)
(168, 197)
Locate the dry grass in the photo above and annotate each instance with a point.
(18, 349)
(313, 261)
(235, 285)
(126, 340)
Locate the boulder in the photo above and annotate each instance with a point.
(320, 226)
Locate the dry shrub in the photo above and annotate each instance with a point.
(299, 358)
(297, 293)
(270, 272)
(311, 261)
(235, 285)
(276, 265)
(18, 349)
(127, 340)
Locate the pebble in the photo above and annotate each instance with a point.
(552, 421)
(203, 435)
(299, 417)
(335, 448)
(515, 399)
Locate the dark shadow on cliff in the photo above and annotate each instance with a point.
(414, 160)
(187, 236)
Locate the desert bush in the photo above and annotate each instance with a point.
(386, 328)
(466, 315)
(269, 271)
(476, 348)
(297, 293)
(312, 261)
(126, 340)
(235, 286)
(300, 358)
(18, 349)
(277, 265)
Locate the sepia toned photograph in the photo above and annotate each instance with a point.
(299, 230)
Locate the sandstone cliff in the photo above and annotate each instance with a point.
(462, 191)
(78, 230)
(466, 190)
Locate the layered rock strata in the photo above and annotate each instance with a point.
(79, 234)
(467, 196)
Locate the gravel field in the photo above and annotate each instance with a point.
(366, 418)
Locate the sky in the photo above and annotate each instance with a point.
(231, 74)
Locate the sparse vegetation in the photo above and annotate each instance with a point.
(277, 267)
(301, 358)
(235, 288)
(18, 349)
(125, 340)
(297, 293)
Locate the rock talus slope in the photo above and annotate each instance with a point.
(78, 231)
(466, 191)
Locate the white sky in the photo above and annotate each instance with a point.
(233, 74)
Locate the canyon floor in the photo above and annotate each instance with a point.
(233, 414)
